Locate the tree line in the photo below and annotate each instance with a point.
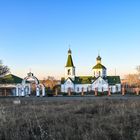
(3, 69)
(133, 80)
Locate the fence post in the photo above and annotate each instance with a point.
(82, 91)
(96, 92)
(123, 91)
(137, 91)
(56, 92)
(109, 92)
(69, 92)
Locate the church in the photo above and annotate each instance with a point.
(98, 81)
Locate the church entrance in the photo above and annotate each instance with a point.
(30, 86)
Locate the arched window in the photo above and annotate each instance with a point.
(117, 88)
(99, 73)
(87, 89)
(77, 89)
(69, 72)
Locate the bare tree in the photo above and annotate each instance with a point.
(3, 69)
(49, 82)
(132, 79)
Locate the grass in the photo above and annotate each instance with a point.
(39, 119)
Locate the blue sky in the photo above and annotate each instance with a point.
(35, 34)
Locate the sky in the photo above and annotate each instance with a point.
(36, 35)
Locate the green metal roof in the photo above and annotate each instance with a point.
(99, 66)
(83, 80)
(10, 79)
(80, 80)
(69, 61)
(112, 80)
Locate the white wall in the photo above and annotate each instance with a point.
(100, 84)
(84, 87)
(102, 72)
(72, 72)
(68, 84)
(115, 88)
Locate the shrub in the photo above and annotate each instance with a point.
(39, 119)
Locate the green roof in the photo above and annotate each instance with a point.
(10, 79)
(80, 80)
(112, 80)
(99, 66)
(69, 61)
(83, 80)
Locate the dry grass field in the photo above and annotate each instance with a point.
(40, 119)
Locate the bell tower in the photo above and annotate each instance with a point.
(70, 68)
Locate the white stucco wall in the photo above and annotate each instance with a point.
(103, 72)
(71, 74)
(84, 87)
(100, 84)
(115, 88)
(68, 84)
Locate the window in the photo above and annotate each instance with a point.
(69, 72)
(97, 73)
(77, 89)
(117, 88)
(73, 71)
(111, 89)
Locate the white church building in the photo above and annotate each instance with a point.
(98, 81)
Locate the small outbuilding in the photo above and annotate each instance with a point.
(8, 85)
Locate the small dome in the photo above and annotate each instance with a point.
(99, 58)
(69, 51)
(30, 74)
